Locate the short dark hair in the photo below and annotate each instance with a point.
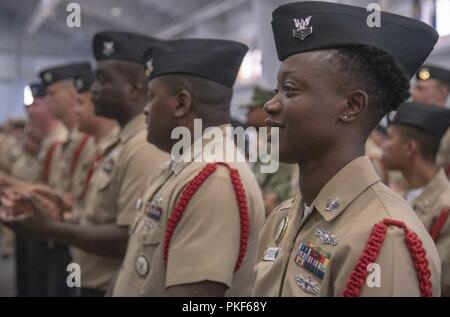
(210, 100)
(375, 72)
(428, 143)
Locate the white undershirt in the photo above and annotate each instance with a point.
(307, 211)
(412, 195)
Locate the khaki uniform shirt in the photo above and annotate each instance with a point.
(61, 176)
(205, 243)
(10, 150)
(428, 206)
(58, 134)
(89, 165)
(316, 255)
(25, 168)
(111, 199)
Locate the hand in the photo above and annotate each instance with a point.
(28, 213)
(14, 207)
(5, 179)
(64, 202)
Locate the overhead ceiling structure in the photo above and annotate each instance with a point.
(165, 19)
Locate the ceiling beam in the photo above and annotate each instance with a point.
(44, 9)
(207, 12)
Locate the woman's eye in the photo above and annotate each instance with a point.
(276, 91)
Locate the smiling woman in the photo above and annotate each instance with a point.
(128, 137)
(334, 86)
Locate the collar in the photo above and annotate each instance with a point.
(58, 134)
(344, 187)
(106, 141)
(432, 190)
(133, 127)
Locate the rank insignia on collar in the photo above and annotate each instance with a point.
(107, 166)
(306, 284)
(153, 208)
(333, 204)
(313, 259)
(281, 230)
(302, 29)
(326, 237)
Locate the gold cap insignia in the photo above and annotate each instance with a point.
(424, 74)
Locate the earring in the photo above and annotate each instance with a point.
(345, 117)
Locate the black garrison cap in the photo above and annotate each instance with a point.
(215, 60)
(314, 25)
(62, 72)
(433, 119)
(433, 72)
(37, 89)
(121, 45)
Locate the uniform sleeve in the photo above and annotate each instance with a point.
(393, 272)
(205, 243)
(139, 164)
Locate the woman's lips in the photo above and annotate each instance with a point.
(274, 124)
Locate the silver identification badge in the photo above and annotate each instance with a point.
(271, 253)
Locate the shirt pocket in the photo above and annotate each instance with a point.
(149, 239)
(103, 180)
(151, 235)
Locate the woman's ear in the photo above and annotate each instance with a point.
(183, 105)
(356, 102)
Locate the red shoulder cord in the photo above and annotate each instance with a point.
(370, 254)
(48, 160)
(90, 172)
(439, 224)
(77, 153)
(190, 190)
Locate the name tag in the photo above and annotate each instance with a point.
(271, 254)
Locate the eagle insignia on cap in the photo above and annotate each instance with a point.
(108, 48)
(48, 77)
(302, 29)
(149, 67)
(424, 74)
(79, 83)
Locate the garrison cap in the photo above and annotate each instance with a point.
(314, 25)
